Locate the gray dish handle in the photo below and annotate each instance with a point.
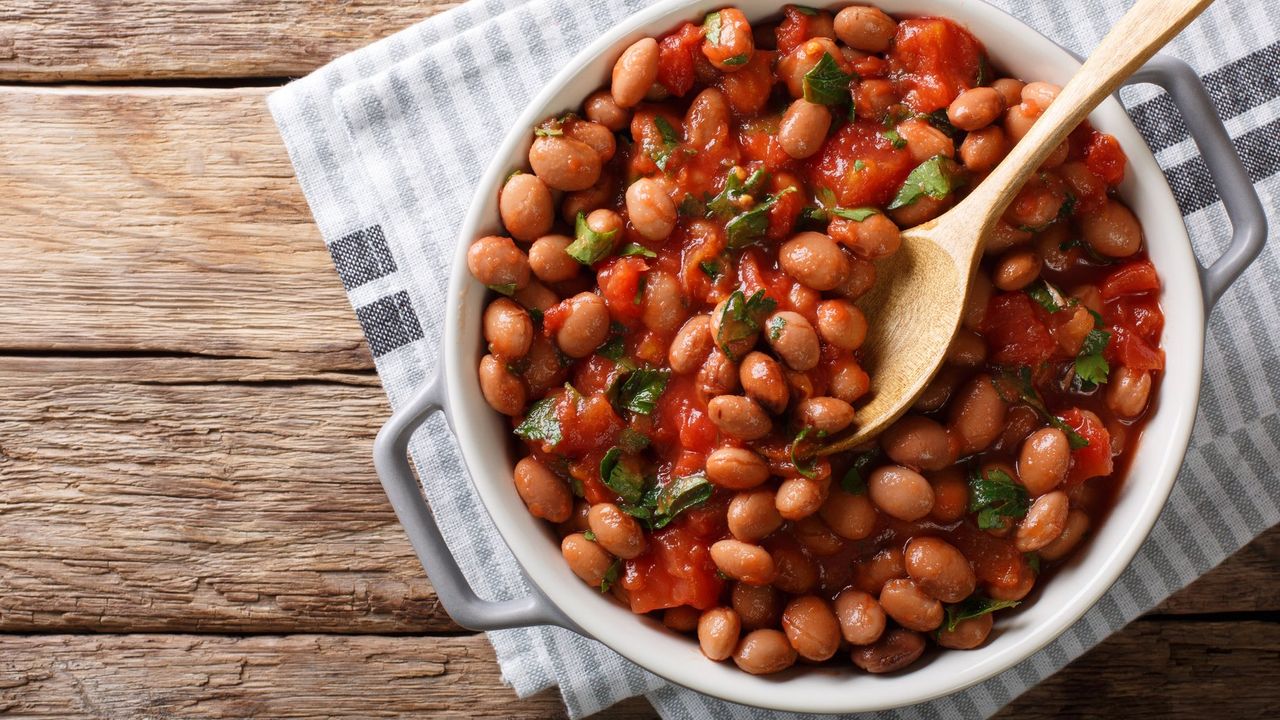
(391, 458)
(1239, 197)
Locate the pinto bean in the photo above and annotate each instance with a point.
(543, 367)
(811, 628)
(564, 163)
(814, 259)
(763, 380)
(586, 559)
(967, 634)
(950, 495)
(865, 28)
(910, 606)
(825, 414)
(736, 468)
(550, 262)
(525, 206)
(817, 537)
(496, 262)
(895, 651)
(735, 345)
(875, 237)
(804, 128)
(507, 328)
(871, 574)
(1128, 392)
(758, 606)
(502, 390)
(635, 72)
(977, 414)
(975, 305)
(850, 516)
(793, 339)
(862, 620)
(976, 108)
(1045, 521)
(739, 417)
(691, 345)
(924, 209)
(1044, 461)
(681, 618)
(650, 209)
(925, 141)
(1018, 120)
(873, 98)
(939, 569)
(718, 375)
(968, 349)
(744, 562)
(707, 119)
(752, 515)
(919, 442)
(731, 47)
(861, 278)
(763, 652)
(900, 492)
(546, 495)
(601, 108)
(842, 324)
(1038, 95)
(718, 631)
(796, 573)
(1010, 90)
(848, 381)
(586, 326)
(1076, 528)
(616, 531)
(982, 150)
(662, 305)
(800, 497)
(596, 136)
(1016, 270)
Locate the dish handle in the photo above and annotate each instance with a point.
(391, 459)
(1235, 187)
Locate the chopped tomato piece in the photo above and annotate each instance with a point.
(1105, 158)
(681, 421)
(587, 474)
(933, 60)
(587, 425)
(795, 28)
(619, 281)
(1129, 349)
(675, 569)
(1015, 333)
(759, 141)
(861, 166)
(676, 56)
(1094, 459)
(995, 560)
(594, 374)
(1133, 278)
(1142, 314)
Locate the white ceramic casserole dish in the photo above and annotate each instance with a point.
(561, 599)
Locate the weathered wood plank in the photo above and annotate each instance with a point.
(143, 39)
(163, 220)
(1248, 581)
(163, 494)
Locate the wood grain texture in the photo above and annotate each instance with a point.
(168, 494)
(142, 39)
(162, 220)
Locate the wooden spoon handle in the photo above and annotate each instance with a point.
(1146, 28)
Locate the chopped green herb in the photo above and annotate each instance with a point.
(742, 318)
(934, 177)
(804, 460)
(615, 348)
(826, 197)
(711, 268)
(551, 128)
(512, 174)
(507, 289)
(939, 120)
(826, 83)
(639, 393)
(985, 72)
(728, 202)
(690, 206)
(854, 481)
(855, 214)
(1033, 560)
(972, 607)
(805, 10)
(640, 286)
(995, 497)
(636, 249)
(892, 136)
(776, 326)
(814, 217)
(711, 28)
(535, 315)
(590, 536)
(737, 60)
(679, 495)
(632, 441)
(621, 473)
(611, 575)
(541, 423)
(670, 140)
(590, 246)
(1092, 368)
(859, 165)
(1068, 207)
(1048, 296)
(751, 225)
(1027, 392)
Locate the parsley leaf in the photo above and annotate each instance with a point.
(541, 423)
(892, 136)
(814, 217)
(995, 497)
(826, 83)
(590, 536)
(679, 495)
(1048, 296)
(1092, 367)
(934, 177)
(670, 139)
(507, 289)
(825, 196)
(636, 249)
(590, 246)
(805, 10)
(806, 462)
(1033, 560)
(622, 475)
(727, 203)
(711, 27)
(855, 214)
(611, 575)
(742, 318)
(615, 348)
(859, 165)
(632, 441)
(972, 607)
(854, 481)
(752, 224)
(1032, 399)
(737, 60)
(639, 393)
(939, 120)
(711, 268)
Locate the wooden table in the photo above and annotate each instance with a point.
(189, 522)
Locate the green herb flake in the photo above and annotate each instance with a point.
(678, 495)
(670, 141)
(541, 422)
(855, 214)
(590, 536)
(615, 348)
(752, 225)
(995, 497)
(1092, 368)
(813, 217)
(974, 606)
(825, 196)
(802, 457)
(639, 393)
(934, 177)
(636, 249)
(1068, 207)
(611, 575)
(550, 128)
(640, 286)
(805, 10)
(621, 473)
(939, 120)
(826, 83)
(632, 441)
(1033, 561)
(895, 138)
(507, 289)
(738, 60)
(742, 318)
(711, 269)
(1048, 296)
(690, 206)
(711, 28)
(728, 202)
(859, 165)
(590, 246)
(854, 480)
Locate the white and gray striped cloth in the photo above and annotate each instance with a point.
(389, 141)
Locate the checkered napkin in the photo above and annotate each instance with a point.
(388, 143)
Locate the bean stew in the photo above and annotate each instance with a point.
(675, 332)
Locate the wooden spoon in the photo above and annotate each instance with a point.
(915, 307)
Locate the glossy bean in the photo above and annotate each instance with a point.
(707, 119)
(875, 237)
(616, 531)
(803, 128)
(736, 468)
(850, 516)
(1044, 460)
(718, 631)
(764, 381)
(752, 515)
(862, 620)
(796, 573)
(981, 150)
(1016, 270)
(848, 381)
(900, 492)
(525, 207)
(507, 328)
(731, 46)
(681, 618)
(1010, 90)
(600, 107)
(586, 559)
(800, 497)
(1073, 532)
(841, 324)
(718, 374)
(1128, 392)
(1044, 522)
(650, 209)
(817, 537)
(691, 345)
(662, 304)
(895, 651)
(910, 606)
(635, 72)
(975, 108)
(968, 350)
(586, 326)
(1038, 95)
(967, 634)
(594, 135)
(824, 414)
(497, 262)
(758, 606)
(763, 652)
(545, 494)
(865, 28)
(501, 389)
(918, 442)
(811, 628)
(871, 574)
(939, 569)
(564, 163)
(977, 414)
(813, 259)
(1112, 230)
(549, 261)
(793, 339)
(744, 562)
(925, 141)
